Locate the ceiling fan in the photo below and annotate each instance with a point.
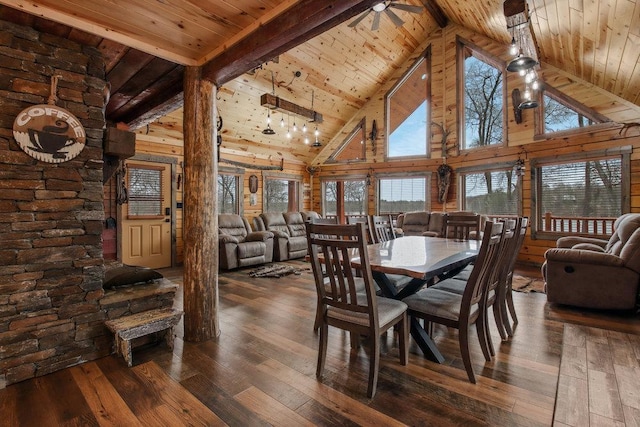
(385, 6)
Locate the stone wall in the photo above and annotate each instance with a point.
(51, 214)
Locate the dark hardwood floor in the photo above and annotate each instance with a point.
(261, 371)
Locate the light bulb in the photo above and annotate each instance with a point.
(306, 140)
(528, 78)
(304, 128)
(527, 94)
(316, 133)
(513, 49)
(535, 85)
(288, 134)
(282, 122)
(268, 118)
(295, 128)
(522, 72)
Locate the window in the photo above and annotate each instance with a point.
(352, 193)
(483, 94)
(407, 112)
(228, 194)
(353, 148)
(402, 194)
(559, 113)
(491, 192)
(581, 195)
(281, 192)
(144, 191)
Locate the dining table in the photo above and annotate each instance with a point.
(423, 259)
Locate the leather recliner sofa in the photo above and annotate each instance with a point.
(595, 273)
(289, 231)
(241, 247)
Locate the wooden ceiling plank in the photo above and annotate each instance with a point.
(129, 65)
(436, 12)
(153, 81)
(155, 46)
(112, 52)
(303, 21)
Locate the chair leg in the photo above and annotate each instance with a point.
(482, 335)
(498, 318)
(403, 332)
(463, 337)
(374, 363)
(506, 322)
(322, 349)
(509, 299)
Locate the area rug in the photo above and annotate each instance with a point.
(276, 270)
(527, 284)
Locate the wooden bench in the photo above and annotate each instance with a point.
(140, 324)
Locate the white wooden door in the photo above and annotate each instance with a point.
(146, 217)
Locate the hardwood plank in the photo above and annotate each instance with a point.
(603, 395)
(106, 404)
(270, 409)
(627, 379)
(573, 402)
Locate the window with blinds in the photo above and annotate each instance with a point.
(572, 192)
(493, 192)
(402, 194)
(144, 192)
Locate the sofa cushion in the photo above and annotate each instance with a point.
(415, 223)
(298, 243)
(274, 222)
(251, 249)
(295, 223)
(232, 225)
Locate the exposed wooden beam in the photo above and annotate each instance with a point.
(436, 12)
(282, 105)
(298, 24)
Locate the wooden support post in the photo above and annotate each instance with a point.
(200, 219)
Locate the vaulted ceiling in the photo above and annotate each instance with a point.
(336, 69)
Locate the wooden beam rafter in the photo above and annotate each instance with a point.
(282, 105)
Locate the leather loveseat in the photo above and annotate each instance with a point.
(289, 231)
(422, 223)
(595, 273)
(241, 247)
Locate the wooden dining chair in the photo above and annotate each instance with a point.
(461, 311)
(463, 226)
(362, 220)
(381, 227)
(505, 291)
(343, 305)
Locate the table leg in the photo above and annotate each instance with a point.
(425, 342)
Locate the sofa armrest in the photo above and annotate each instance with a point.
(227, 238)
(571, 241)
(580, 256)
(259, 236)
(278, 234)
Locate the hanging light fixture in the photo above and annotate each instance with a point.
(268, 130)
(316, 134)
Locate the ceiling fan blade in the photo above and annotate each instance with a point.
(407, 7)
(358, 19)
(395, 18)
(376, 22)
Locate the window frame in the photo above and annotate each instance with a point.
(403, 175)
(539, 123)
(359, 127)
(497, 167)
(462, 47)
(536, 163)
(425, 56)
(280, 176)
(238, 173)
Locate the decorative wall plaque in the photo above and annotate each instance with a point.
(49, 133)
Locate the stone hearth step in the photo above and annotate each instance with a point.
(140, 324)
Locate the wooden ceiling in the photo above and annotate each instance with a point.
(147, 43)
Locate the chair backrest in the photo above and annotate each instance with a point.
(482, 267)
(319, 220)
(274, 221)
(461, 225)
(381, 227)
(332, 246)
(624, 227)
(295, 223)
(510, 232)
(415, 223)
(362, 220)
(514, 249)
(233, 225)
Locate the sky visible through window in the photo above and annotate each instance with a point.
(409, 138)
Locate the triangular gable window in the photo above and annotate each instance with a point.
(561, 114)
(353, 148)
